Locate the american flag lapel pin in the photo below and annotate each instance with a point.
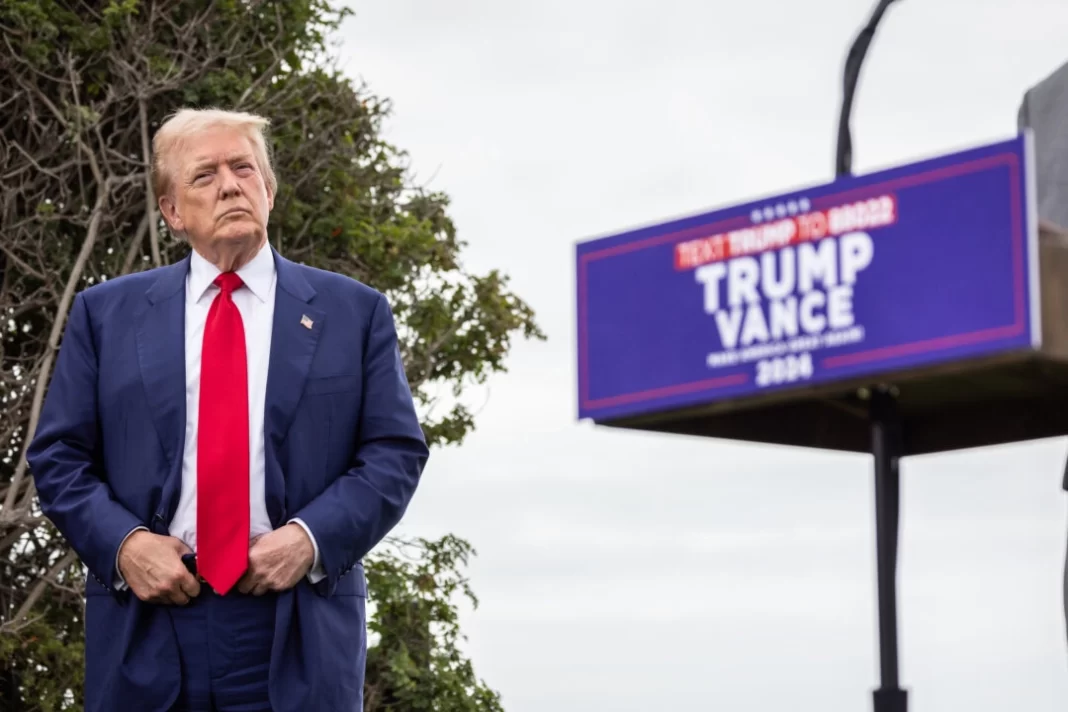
(305, 321)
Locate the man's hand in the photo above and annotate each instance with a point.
(152, 566)
(277, 560)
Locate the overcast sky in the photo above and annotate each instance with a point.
(623, 572)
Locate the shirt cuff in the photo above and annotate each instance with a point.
(316, 574)
(119, 583)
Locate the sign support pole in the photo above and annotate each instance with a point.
(886, 448)
(885, 426)
(843, 163)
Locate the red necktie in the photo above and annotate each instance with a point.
(223, 444)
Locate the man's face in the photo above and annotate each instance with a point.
(218, 196)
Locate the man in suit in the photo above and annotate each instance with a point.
(223, 440)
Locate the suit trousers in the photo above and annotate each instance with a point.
(224, 643)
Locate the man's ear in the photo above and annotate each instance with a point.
(169, 210)
(270, 199)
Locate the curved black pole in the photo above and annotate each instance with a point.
(843, 164)
(886, 427)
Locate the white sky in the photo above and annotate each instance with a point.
(622, 572)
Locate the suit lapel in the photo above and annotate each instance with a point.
(294, 338)
(161, 357)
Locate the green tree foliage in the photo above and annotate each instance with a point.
(83, 85)
(416, 665)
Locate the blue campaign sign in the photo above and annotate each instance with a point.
(909, 267)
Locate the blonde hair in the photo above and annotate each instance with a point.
(186, 123)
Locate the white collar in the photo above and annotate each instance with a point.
(257, 274)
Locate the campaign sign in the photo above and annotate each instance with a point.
(905, 268)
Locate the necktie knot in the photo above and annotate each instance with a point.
(228, 282)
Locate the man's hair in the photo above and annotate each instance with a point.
(173, 135)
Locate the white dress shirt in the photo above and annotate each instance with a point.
(255, 302)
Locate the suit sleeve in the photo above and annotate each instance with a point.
(360, 507)
(64, 456)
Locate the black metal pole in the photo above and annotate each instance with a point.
(886, 449)
(843, 164)
(885, 424)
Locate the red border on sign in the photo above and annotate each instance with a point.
(1015, 328)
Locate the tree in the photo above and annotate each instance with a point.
(416, 665)
(83, 85)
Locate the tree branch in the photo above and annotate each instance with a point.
(19, 530)
(37, 591)
(53, 343)
(150, 208)
(135, 245)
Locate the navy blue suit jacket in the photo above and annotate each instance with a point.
(344, 452)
